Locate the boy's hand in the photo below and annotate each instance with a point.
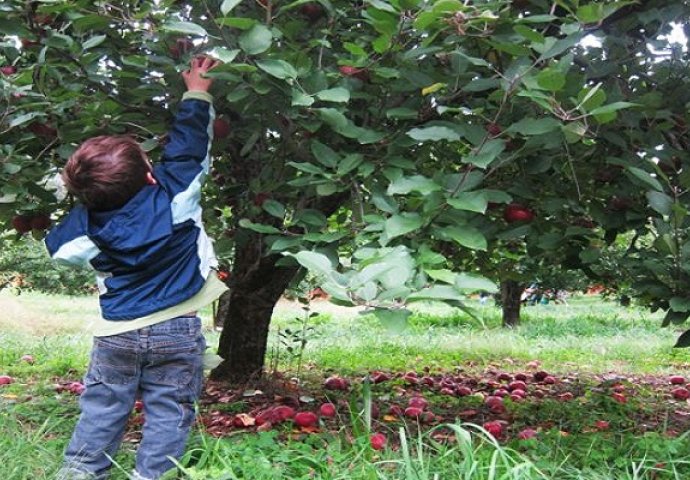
(193, 77)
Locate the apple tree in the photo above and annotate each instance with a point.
(379, 144)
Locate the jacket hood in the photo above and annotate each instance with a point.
(138, 231)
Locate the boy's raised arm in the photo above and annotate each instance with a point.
(192, 131)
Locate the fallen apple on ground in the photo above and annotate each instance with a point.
(28, 359)
(378, 441)
(6, 380)
(306, 419)
(327, 410)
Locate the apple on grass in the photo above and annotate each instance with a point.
(495, 428)
(306, 419)
(6, 380)
(680, 393)
(28, 359)
(527, 434)
(378, 441)
(327, 410)
(336, 383)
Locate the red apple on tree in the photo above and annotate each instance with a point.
(494, 129)
(42, 130)
(313, 11)
(8, 69)
(40, 222)
(354, 72)
(221, 128)
(22, 223)
(516, 212)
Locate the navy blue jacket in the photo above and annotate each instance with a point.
(153, 253)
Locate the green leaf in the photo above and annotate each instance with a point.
(317, 263)
(227, 6)
(381, 5)
(660, 202)
(339, 94)
(683, 341)
(437, 292)
(307, 167)
(24, 118)
(680, 304)
(470, 201)
(93, 41)
(551, 79)
(274, 208)
(433, 134)
(535, 126)
(393, 320)
(562, 45)
(474, 283)
(326, 189)
(646, 178)
(402, 113)
(300, 99)
(465, 235)
(415, 183)
(324, 154)
(529, 33)
(675, 318)
(344, 126)
(256, 40)
(224, 55)
(590, 13)
(612, 107)
(488, 153)
(349, 163)
(277, 68)
(257, 227)
(401, 224)
(443, 275)
(188, 28)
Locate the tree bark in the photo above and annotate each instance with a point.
(510, 302)
(256, 284)
(245, 312)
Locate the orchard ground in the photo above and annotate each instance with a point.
(597, 399)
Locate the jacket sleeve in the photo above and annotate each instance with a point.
(186, 158)
(192, 132)
(68, 242)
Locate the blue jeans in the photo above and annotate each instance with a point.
(164, 364)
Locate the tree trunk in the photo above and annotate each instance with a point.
(510, 302)
(245, 312)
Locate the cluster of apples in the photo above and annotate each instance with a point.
(26, 223)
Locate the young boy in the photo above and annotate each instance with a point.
(139, 227)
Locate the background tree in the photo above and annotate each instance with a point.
(369, 141)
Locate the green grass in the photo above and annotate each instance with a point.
(588, 337)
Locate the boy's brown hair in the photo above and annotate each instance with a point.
(106, 172)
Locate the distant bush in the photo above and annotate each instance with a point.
(25, 265)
